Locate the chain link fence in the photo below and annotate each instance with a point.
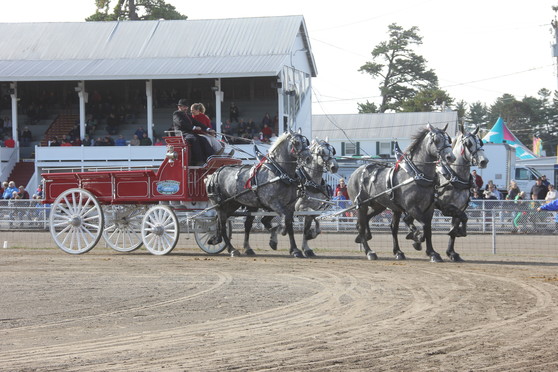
(494, 227)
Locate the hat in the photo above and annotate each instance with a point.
(182, 102)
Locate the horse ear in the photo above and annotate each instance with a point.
(429, 127)
(476, 130)
(327, 139)
(446, 127)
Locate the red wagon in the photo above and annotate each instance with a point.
(134, 207)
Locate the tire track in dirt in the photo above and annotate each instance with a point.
(359, 314)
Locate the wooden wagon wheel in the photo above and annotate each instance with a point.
(204, 229)
(76, 221)
(160, 230)
(122, 230)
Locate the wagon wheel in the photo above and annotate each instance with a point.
(122, 230)
(204, 229)
(76, 221)
(160, 230)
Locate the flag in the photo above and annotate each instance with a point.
(537, 146)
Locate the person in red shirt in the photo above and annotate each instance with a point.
(198, 113)
(342, 188)
(9, 143)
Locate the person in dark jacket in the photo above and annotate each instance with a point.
(538, 191)
(200, 150)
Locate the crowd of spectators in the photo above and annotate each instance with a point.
(9, 191)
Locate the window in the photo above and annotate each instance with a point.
(384, 148)
(350, 148)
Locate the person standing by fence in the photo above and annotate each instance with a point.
(552, 206)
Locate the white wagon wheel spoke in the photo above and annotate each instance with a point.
(160, 230)
(76, 221)
(122, 230)
(205, 229)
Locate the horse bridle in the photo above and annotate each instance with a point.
(467, 145)
(298, 144)
(445, 145)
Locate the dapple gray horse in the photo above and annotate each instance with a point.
(454, 185)
(270, 185)
(407, 187)
(314, 190)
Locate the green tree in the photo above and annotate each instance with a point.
(402, 72)
(426, 100)
(478, 114)
(134, 10)
(367, 108)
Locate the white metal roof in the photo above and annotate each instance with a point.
(387, 126)
(234, 47)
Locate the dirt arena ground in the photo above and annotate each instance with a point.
(188, 311)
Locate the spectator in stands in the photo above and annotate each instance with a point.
(7, 124)
(9, 142)
(54, 142)
(39, 192)
(90, 124)
(23, 194)
(252, 129)
(87, 141)
(551, 194)
(139, 132)
(539, 191)
(9, 191)
(112, 124)
(477, 179)
(513, 190)
(120, 141)
(227, 128)
(3, 187)
(267, 120)
(99, 142)
(342, 187)
(135, 141)
(26, 136)
(266, 133)
(66, 142)
(233, 112)
(76, 141)
(145, 141)
(158, 142)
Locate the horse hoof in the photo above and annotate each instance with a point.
(417, 246)
(435, 257)
(410, 236)
(235, 253)
(273, 245)
(309, 253)
(368, 236)
(358, 240)
(400, 256)
(372, 256)
(297, 254)
(455, 257)
(249, 252)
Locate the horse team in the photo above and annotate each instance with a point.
(433, 173)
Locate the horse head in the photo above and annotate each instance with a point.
(299, 147)
(472, 148)
(323, 154)
(441, 142)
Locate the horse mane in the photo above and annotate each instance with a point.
(278, 141)
(417, 140)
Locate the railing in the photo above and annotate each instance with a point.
(485, 217)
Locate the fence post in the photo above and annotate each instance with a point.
(493, 232)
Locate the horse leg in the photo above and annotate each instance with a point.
(266, 221)
(430, 252)
(222, 218)
(414, 234)
(294, 251)
(363, 228)
(247, 228)
(309, 235)
(399, 255)
(450, 252)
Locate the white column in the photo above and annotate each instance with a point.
(149, 96)
(13, 94)
(80, 89)
(218, 101)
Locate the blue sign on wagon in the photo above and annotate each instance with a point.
(168, 187)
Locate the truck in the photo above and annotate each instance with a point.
(502, 168)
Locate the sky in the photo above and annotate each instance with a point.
(479, 50)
